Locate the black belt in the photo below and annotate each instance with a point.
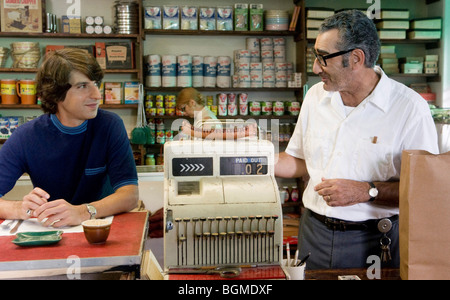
(342, 225)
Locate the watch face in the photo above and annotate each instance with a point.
(373, 192)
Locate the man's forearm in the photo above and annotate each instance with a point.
(123, 200)
(288, 166)
(388, 193)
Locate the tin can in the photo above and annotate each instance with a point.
(160, 111)
(169, 135)
(209, 100)
(278, 108)
(266, 108)
(159, 102)
(222, 98)
(243, 109)
(151, 111)
(232, 110)
(213, 109)
(170, 112)
(293, 108)
(160, 137)
(232, 98)
(243, 98)
(254, 108)
(222, 110)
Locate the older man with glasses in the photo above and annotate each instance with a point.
(352, 129)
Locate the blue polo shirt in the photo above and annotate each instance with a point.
(78, 164)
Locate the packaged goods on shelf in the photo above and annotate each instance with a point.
(197, 71)
(113, 92)
(71, 24)
(209, 71)
(127, 17)
(207, 18)
(392, 24)
(223, 79)
(276, 20)
(184, 70)
(319, 13)
(412, 65)
(22, 17)
(388, 59)
(189, 17)
(100, 54)
(8, 125)
(51, 23)
(424, 34)
(169, 70)
(25, 54)
(431, 65)
(152, 17)
(394, 14)
(389, 34)
(314, 18)
(427, 23)
(225, 18)
(131, 92)
(241, 17)
(4, 54)
(152, 67)
(119, 55)
(256, 20)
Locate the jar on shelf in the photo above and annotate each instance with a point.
(287, 195)
(150, 160)
(294, 194)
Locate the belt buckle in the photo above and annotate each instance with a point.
(335, 225)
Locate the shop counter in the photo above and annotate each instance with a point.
(73, 254)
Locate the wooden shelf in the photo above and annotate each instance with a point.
(67, 35)
(219, 89)
(37, 106)
(33, 70)
(270, 117)
(218, 32)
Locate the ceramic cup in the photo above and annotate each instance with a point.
(96, 231)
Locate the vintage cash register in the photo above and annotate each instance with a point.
(221, 207)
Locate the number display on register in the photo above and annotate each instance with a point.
(244, 165)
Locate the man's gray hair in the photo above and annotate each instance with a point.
(356, 30)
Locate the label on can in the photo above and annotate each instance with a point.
(222, 110)
(278, 108)
(160, 111)
(243, 109)
(293, 108)
(243, 98)
(254, 108)
(266, 108)
(231, 98)
(222, 98)
(232, 109)
(160, 137)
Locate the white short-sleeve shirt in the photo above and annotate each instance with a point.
(364, 143)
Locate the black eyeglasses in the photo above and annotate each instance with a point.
(323, 58)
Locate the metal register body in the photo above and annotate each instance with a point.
(213, 219)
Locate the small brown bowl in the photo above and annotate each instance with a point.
(96, 231)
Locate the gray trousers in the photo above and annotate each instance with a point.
(334, 249)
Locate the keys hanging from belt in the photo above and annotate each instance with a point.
(384, 226)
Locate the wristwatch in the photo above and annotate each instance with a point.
(373, 192)
(91, 210)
